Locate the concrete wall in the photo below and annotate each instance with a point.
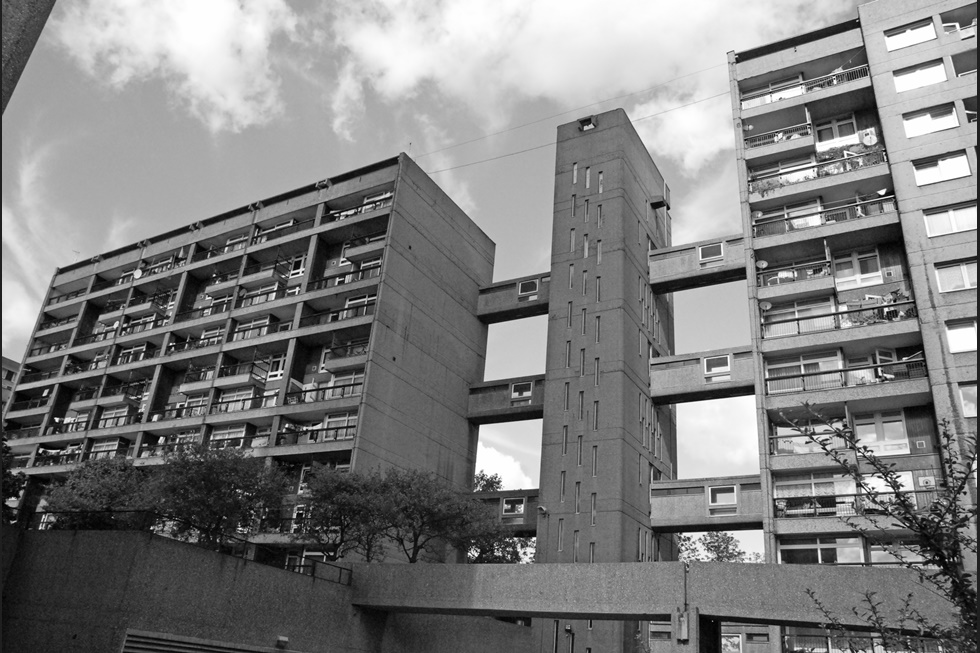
(80, 591)
(679, 268)
(683, 378)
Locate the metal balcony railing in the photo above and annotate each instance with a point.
(73, 426)
(770, 181)
(259, 331)
(132, 391)
(67, 296)
(845, 213)
(343, 214)
(49, 459)
(845, 505)
(273, 234)
(178, 412)
(843, 320)
(194, 343)
(325, 394)
(343, 278)
(51, 324)
(206, 311)
(256, 370)
(277, 268)
(792, 89)
(134, 356)
(221, 278)
(236, 405)
(47, 348)
(93, 337)
(778, 135)
(336, 316)
(29, 404)
(121, 420)
(803, 272)
(240, 442)
(32, 377)
(139, 327)
(326, 434)
(802, 443)
(346, 350)
(198, 374)
(252, 300)
(847, 377)
(21, 433)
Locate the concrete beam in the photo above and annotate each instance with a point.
(507, 400)
(514, 299)
(643, 591)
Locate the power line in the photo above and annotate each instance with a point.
(550, 143)
(587, 106)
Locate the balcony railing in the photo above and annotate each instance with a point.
(178, 412)
(848, 377)
(346, 350)
(47, 348)
(134, 356)
(131, 391)
(206, 311)
(21, 433)
(325, 394)
(121, 451)
(199, 374)
(221, 278)
(93, 337)
(156, 450)
(49, 459)
(336, 316)
(73, 426)
(259, 331)
(240, 442)
(121, 420)
(343, 214)
(278, 268)
(51, 324)
(770, 181)
(32, 377)
(344, 278)
(845, 213)
(804, 272)
(326, 434)
(804, 443)
(138, 327)
(273, 234)
(842, 320)
(793, 89)
(256, 370)
(194, 343)
(236, 405)
(778, 135)
(67, 296)
(845, 505)
(29, 404)
(252, 300)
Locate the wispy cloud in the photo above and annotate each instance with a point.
(717, 438)
(435, 138)
(493, 461)
(213, 56)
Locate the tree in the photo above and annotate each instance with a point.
(424, 512)
(943, 530)
(496, 549)
(13, 483)
(212, 494)
(484, 482)
(106, 494)
(346, 513)
(713, 546)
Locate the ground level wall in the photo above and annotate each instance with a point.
(81, 591)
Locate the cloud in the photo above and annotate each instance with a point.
(36, 237)
(511, 473)
(213, 56)
(434, 138)
(717, 438)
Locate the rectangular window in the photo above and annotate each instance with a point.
(584, 318)
(591, 559)
(581, 404)
(933, 72)
(903, 37)
(968, 399)
(564, 440)
(513, 507)
(579, 456)
(581, 362)
(592, 508)
(578, 497)
(585, 282)
(566, 396)
(575, 539)
(598, 289)
(598, 252)
(953, 219)
(717, 368)
(569, 320)
(711, 255)
(588, 176)
(595, 460)
(857, 269)
(821, 551)
(571, 241)
(944, 168)
(597, 323)
(836, 132)
(561, 533)
(521, 391)
(561, 487)
(598, 216)
(585, 211)
(573, 206)
(571, 276)
(596, 373)
(883, 433)
(600, 181)
(722, 500)
(595, 404)
(568, 354)
(931, 120)
(962, 335)
(574, 173)
(585, 246)
(956, 276)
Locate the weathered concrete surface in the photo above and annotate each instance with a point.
(754, 593)
(22, 24)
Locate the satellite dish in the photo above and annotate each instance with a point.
(137, 273)
(762, 265)
(765, 306)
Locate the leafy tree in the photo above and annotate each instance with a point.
(493, 548)
(713, 546)
(106, 494)
(943, 531)
(13, 483)
(215, 493)
(346, 513)
(423, 512)
(484, 482)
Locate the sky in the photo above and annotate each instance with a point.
(134, 117)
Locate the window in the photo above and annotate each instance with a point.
(581, 362)
(585, 282)
(951, 219)
(903, 37)
(717, 368)
(584, 320)
(883, 433)
(797, 373)
(276, 366)
(561, 533)
(803, 316)
(598, 212)
(598, 252)
(596, 373)
(564, 440)
(513, 506)
(571, 240)
(595, 460)
(944, 168)
(591, 559)
(722, 500)
(968, 399)
(588, 176)
(930, 120)
(574, 173)
(575, 540)
(595, 404)
(520, 393)
(581, 404)
(836, 132)
(593, 499)
(925, 74)
(731, 644)
(597, 323)
(568, 354)
(561, 487)
(571, 276)
(527, 290)
(585, 211)
(573, 206)
(821, 551)
(598, 289)
(956, 276)
(816, 494)
(711, 255)
(578, 497)
(962, 335)
(579, 448)
(857, 269)
(600, 181)
(565, 403)
(585, 246)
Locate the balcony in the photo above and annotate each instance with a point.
(52, 459)
(141, 326)
(206, 311)
(126, 358)
(240, 442)
(93, 337)
(259, 331)
(121, 420)
(329, 317)
(238, 405)
(56, 323)
(177, 411)
(345, 350)
(259, 274)
(896, 312)
(241, 374)
(325, 394)
(316, 435)
(22, 433)
(29, 404)
(46, 348)
(779, 136)
(194, 343)
(769, 183)
(835, 215)
(282, 230)
(364, 247)
(847, 377)
(795, 274)
(68, 296)
(343, 278)
(69, 425)
(344, 214)
(805, 442)
(262, 298)
(43, 375)
(846, 505)
(797, 88)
